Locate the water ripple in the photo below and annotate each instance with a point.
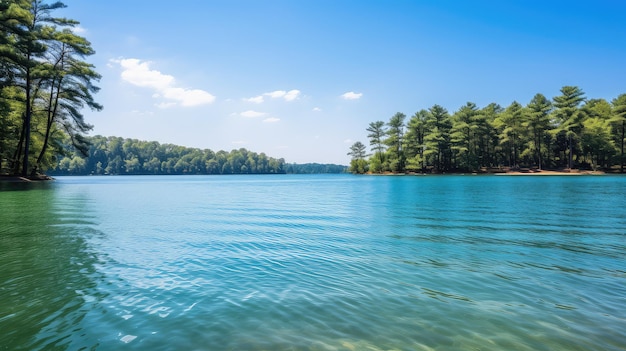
(315, 263)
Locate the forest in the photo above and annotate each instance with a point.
(568, 131)
(119, 156)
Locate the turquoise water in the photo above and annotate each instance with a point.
(328, 262)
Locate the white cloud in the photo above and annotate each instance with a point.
(317, 109)
(347, 141)
(239, 142)
(351, 96)
(188, 97)
(292, 95)
(78, 30)
(276, 94)
(257, 99)
(252, 114)
(139, 73)
(271, 120)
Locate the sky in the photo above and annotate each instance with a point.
(303, 79)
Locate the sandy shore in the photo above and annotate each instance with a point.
(537, 172)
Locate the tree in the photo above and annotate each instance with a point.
(30, 52)
(358, 164)
(538, 122)
(414, 141)
(69, 85)
(570, 116)
(44, 78)
(377, 132)
(510, 125)
(462, 135)
(437, 140)
(487, 138)
(394, 141)
(618, 123)
(596, 141)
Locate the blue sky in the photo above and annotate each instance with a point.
(302, 79)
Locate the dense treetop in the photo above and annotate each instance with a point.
(569, 131)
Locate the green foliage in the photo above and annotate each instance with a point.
(618, 126)
(463, 136)
(117, 156)
(44, 87)
(376, 134)
(571, 132)
(570, 117)
(395, 142)
(358, 164)
(510, 125)
(537, 123)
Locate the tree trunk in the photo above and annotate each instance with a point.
(18, 152)
(27, 118)
(622, 149)
(539, 149)
(571, 156)
(52, 111)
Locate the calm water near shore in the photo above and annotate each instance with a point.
(315, 262)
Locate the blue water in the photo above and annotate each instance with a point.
(315, 262)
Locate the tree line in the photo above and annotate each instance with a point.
(119, 156)
(44, 85)
(569, 131)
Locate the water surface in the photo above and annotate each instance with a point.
(328, 262)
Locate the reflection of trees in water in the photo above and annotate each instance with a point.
(48, 276)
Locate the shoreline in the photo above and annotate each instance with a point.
(574, 172)
(20, 179)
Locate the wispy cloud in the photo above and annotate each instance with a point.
(290, 95)
(257, 99)
(271, 120)
(348, 141)
(239, 142)
(317, 109)
(252, 114)
(351, 95)
(78, 30)
(139, 73)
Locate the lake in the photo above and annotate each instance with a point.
(314, 262)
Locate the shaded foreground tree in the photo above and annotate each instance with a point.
(45, 84)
